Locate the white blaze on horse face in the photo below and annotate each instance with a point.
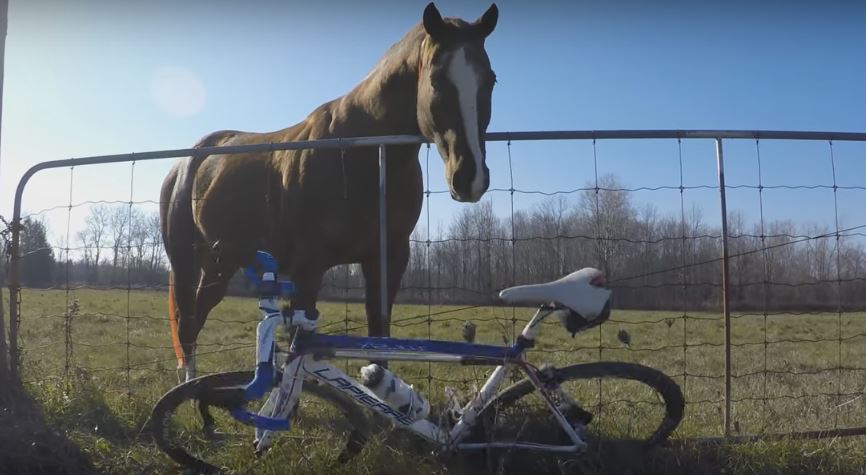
(462, 74)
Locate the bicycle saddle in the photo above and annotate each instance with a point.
(583, 291)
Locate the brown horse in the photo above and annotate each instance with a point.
(314, 209)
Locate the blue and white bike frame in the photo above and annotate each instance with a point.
(311, 351)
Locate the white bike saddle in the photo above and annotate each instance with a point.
(583, 291)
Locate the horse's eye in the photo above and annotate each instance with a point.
(491, 79)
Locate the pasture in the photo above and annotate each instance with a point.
(807, 376)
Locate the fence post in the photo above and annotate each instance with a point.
(383, 240)
(726, 296)
(4, 350)
(14, 292)
(4, 22)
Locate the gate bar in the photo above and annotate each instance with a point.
(383, 244)
(726, 295)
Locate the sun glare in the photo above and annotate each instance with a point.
(178, 91)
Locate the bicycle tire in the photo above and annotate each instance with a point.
(660, 383)
(158, 425)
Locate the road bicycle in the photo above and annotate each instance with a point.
(308, 389)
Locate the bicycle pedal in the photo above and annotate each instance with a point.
(209, 433)
(259, 451)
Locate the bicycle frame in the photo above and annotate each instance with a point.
(315, 349)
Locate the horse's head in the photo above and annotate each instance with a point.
(455, 85)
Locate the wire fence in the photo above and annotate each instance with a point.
(772, 344)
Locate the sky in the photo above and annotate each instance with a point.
(97, 77)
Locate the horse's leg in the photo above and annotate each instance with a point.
(398, 259)
(187, 331)
(372, 300)
(211, 290)
(307, 277)
(183, 303)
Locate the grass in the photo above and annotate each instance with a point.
(97, 392)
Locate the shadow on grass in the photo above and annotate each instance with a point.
(72, 426)
(753, 458)
(29, 445)
(678, 457)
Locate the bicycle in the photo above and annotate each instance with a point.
(580, 301)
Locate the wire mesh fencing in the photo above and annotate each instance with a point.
(783, 355)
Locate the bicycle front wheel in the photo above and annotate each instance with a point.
(326, 425)
(621, 403)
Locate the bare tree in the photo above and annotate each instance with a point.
(138, 236)
(93, 236)
(154, 237)
(610, 211)
(118, 227)
(86, 245)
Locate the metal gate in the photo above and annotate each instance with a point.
(723, 259)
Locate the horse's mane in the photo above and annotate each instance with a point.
(405, 52)
(398, 55)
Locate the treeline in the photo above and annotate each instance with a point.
(653, 260)
(118, 246)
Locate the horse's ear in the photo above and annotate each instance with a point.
(433, 22)
(487, 22)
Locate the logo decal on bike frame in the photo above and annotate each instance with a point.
(391, 347)
(361, 396)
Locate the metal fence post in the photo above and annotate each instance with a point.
(4, 349)
(4, 23)
(14, 291)
(383, 239)
(726, 296)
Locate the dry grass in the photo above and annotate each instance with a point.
(101, 405)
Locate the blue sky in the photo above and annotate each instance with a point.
(98, 76)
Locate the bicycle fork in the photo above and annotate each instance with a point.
(282, 401)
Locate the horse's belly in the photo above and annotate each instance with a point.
(233, 200)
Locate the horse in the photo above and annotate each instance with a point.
(314, 209)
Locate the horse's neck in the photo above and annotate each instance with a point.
(388, 95)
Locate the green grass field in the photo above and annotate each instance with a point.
(118, 367)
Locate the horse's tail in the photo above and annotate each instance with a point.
(179, 236)
(172, 322)
(182, 240)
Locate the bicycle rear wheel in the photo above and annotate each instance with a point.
(635, 405)
(325, 420)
